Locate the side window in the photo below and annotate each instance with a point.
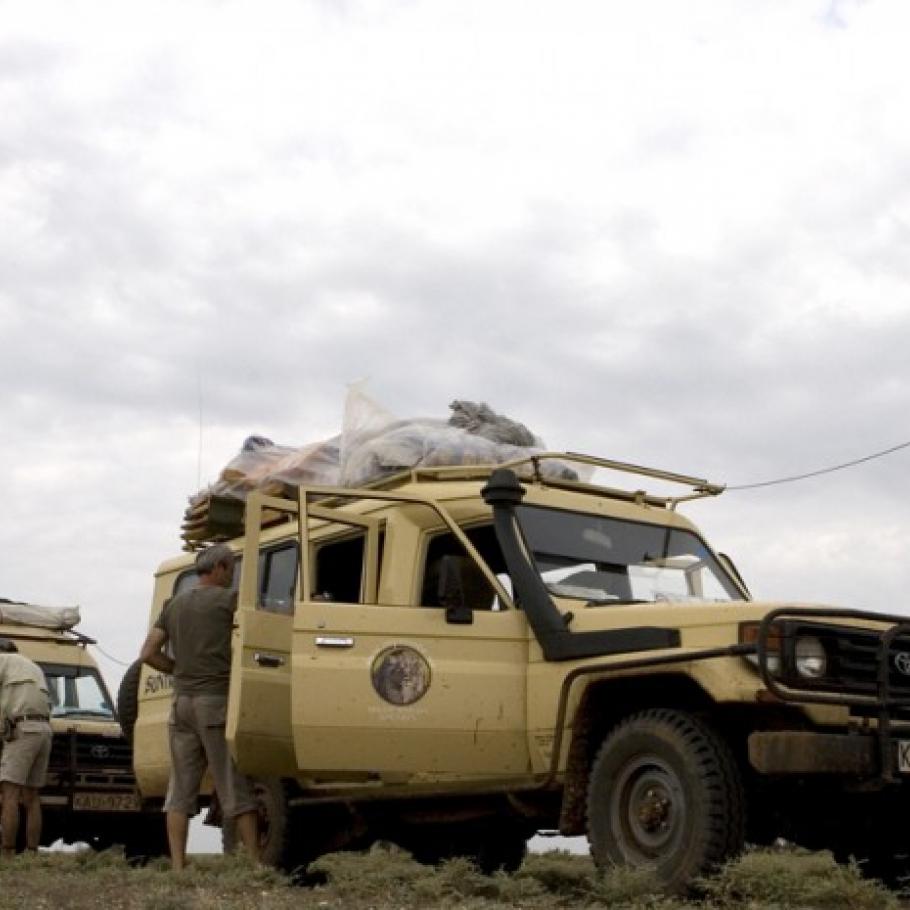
(188, 579)
(339, 569)
(278, 578)
(479, 594)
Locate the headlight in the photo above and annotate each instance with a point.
(811, 660)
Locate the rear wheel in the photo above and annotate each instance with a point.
(291, 837)
(275, 844)
(665, 792)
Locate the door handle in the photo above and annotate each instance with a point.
(268, 660)
(334, 641)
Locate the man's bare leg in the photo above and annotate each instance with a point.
(32, 803)
(9, 818)
(248, 830)
(178, 827)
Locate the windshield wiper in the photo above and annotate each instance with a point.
(614, 601)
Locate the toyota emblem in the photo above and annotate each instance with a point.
(103, 751)
(902, 662)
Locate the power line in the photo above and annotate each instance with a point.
(837, 467)
(116, 660)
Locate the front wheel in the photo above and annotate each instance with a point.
(665, 792)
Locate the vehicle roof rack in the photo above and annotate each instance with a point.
(563, 479)
(219, 518)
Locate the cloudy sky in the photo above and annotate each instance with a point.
(668, 233)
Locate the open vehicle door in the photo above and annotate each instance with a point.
(258, 719)
(386, 686)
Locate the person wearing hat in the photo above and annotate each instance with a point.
(197, 625)
(25, 715)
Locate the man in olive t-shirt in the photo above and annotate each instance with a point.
(198, 624)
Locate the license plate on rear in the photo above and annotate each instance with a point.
(903, 756)
(106, 802)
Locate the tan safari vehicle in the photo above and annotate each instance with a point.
(91, 795)
(455, 658)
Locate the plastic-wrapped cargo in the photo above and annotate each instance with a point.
(262, 465)
(375, 444)
(216, 513)
(20, 614)
(481, 420)
(418, 444)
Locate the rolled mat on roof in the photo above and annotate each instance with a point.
(20, 614)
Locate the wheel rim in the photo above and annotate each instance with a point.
(647, 810)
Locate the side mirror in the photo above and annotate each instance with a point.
(451, 592)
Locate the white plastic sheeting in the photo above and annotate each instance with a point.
(43, 617)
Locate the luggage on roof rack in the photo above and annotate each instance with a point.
(20, 614)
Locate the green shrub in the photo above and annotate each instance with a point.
(796, 879)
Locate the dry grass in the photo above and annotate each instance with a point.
(388, 879)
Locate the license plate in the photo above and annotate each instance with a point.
(903, 756)
(106, 802)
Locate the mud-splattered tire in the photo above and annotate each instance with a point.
(665, 792)
(292, 836)
(128, 700)
(276, 847)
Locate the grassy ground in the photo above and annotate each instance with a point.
(387, 879)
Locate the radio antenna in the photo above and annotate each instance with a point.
(199, 447)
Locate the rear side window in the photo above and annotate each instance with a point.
(278, 579)
(186, 582)
(189, 579)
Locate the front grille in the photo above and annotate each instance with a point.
(855, 659)
(90, 760)
(858, 658)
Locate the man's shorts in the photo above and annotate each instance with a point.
(24, 759)
(196, 733)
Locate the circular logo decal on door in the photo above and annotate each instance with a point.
(400, 675)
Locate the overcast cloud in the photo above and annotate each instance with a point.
(669, 233)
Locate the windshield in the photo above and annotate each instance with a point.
(76, 690)
(606, 560)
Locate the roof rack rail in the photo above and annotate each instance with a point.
(700, 487)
